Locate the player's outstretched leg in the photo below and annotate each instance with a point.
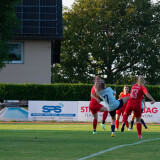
(103, 126)
(105, 114)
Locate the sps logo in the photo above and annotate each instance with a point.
(56, 109)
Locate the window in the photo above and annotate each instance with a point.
(16, 52)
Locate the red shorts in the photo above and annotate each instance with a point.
(121, 110)
(136, 107)
(95, 107)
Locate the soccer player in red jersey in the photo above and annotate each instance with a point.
(95, 106)
(134, 103)
(120, 112)
(142, 121)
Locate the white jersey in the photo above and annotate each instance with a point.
(109, 99)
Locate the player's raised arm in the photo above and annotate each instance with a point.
(150, 97)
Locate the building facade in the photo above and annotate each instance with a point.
(37, 42)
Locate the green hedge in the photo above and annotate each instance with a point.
(58, 92)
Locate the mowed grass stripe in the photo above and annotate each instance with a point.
(70, 142)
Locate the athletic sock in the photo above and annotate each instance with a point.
(139, 128)
(125, 118)
(123, 125)
(113, 128)
(142, 121)
(94, 124)
(105, 114)
(117, 124)
(132, 122)
(127, 125)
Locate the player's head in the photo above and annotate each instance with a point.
(140, 80)
(100, 85)
(125, 88)
(96, 78)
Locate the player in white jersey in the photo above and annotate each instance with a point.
(107, 95)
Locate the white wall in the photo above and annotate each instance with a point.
(36, 67)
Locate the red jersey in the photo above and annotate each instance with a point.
(137, 93)
(124, 95)
(121, 110)
(93, 92)
(94, 106)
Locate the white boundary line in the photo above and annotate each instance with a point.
(110, 149)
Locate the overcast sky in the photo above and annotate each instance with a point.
(68, 3)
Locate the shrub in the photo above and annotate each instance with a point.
(59, 91)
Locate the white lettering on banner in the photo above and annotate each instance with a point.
(52, 110)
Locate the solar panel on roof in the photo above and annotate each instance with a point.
(40, 19)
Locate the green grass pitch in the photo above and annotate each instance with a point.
(58, 141)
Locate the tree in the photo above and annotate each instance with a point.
(111, 38)
(8, 23)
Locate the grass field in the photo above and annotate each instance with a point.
(75, 141)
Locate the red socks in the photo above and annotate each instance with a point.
(117, 124)
(139, 128)
(94, 123)
(127, 125)
(105, 114)
(125, 118)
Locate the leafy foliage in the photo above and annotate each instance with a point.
(8, 23)
(117, 39)
(59, 91)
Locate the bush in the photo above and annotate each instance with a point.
(58, 92)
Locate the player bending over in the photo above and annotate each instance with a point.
(107, 95)
(95, 107)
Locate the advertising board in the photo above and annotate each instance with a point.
(52, 111)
